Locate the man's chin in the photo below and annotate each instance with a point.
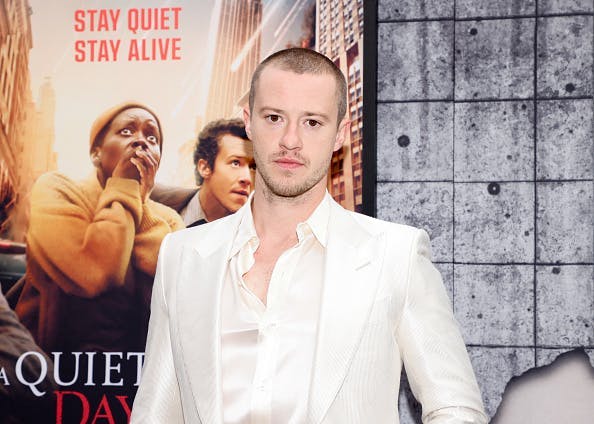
(235, 205)
(238, 197)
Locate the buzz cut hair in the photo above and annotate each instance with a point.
(303, 61)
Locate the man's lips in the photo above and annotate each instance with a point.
(288, 163)
(241, 192)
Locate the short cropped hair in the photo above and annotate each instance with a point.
(207, 146)
(303, 61)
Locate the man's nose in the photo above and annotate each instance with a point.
(245, 176)
(291, 138)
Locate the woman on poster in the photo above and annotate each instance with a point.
(92, 245)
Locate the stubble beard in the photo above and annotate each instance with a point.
(288, 186)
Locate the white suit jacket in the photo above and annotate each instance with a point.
(383, 305)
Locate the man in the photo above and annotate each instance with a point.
(224, 163)
(294, 310)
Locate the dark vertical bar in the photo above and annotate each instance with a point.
(369, 153)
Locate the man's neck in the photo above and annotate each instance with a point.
(277, 217)
(275, 220)
(210, 205)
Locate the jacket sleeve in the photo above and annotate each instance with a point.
(84, 248)
(432, 349)
(157, 221)
(158, 398)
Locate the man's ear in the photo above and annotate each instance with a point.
(203, 169)
(343, 129)
(246, 122)
(96, 157)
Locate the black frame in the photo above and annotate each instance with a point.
(369, 206)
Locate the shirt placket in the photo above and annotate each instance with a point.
(268, 339)
(261, 405)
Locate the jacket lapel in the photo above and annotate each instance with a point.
(350, 284)
(203, 267)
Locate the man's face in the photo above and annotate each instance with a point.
(131, 128)
(294, 128)
(231, 179)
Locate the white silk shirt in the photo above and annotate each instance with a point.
(268, 350)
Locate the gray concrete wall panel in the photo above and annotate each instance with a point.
(494, 222)
(564, 299)
(490, 8)
(494, 141)
(564, 148)
(414, 61)
(564, 56)
(564, 222)
(415, 9)
(414, 141)
(494, 59)
(565, 6)
(494, 304)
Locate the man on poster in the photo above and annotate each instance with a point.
(294, 310)
(223, 165)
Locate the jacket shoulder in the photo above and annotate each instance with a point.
(206, 236)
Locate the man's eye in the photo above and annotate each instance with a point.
(235, 162)
(126, 131)
(152, 139)
(273, 118)
(312, 123)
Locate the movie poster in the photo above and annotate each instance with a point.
(78, 357)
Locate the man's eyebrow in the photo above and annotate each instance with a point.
(322, 115)
(235, 156)
(270, 109)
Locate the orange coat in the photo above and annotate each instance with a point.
(91, 258)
